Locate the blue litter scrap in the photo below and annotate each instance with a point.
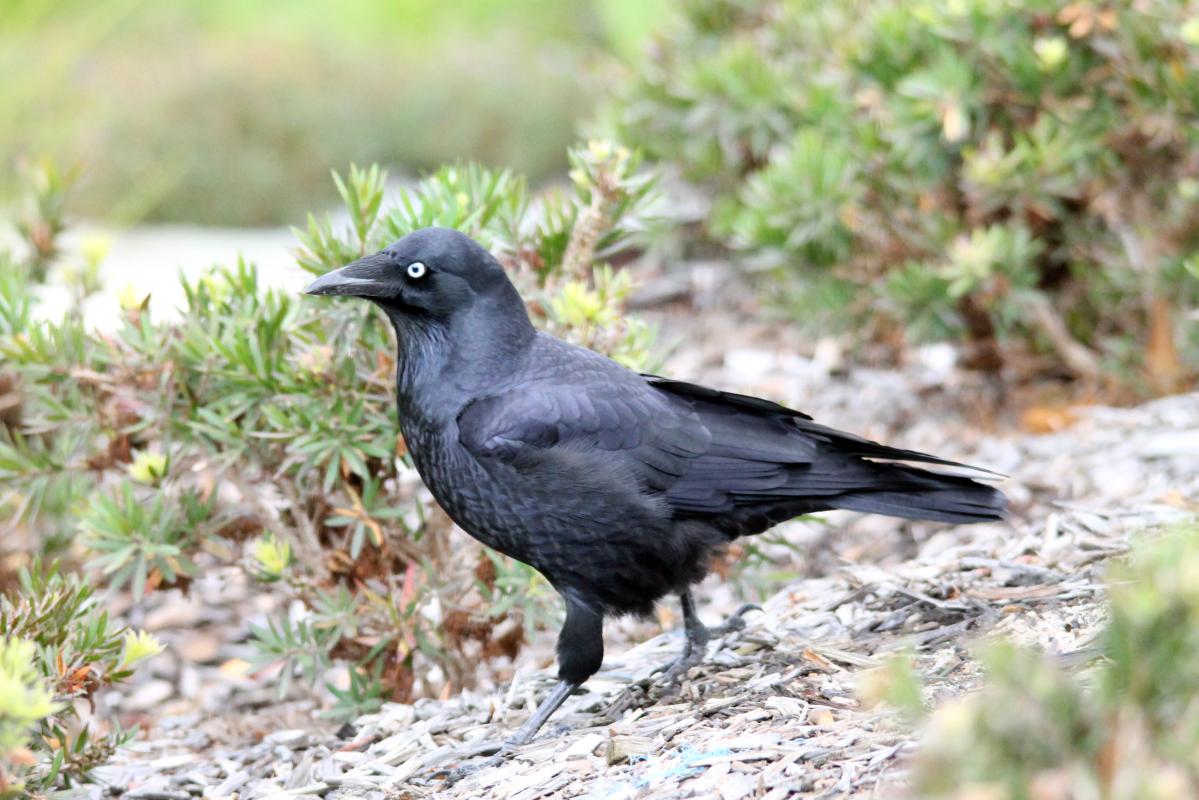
(684, 768)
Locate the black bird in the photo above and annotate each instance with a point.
(616, 486)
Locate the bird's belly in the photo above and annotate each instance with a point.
(599, 537)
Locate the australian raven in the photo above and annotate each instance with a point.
(616, 486)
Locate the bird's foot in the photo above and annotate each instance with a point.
(498, 752)
(465, 770)
(691, 657)
(522, 737)
(735, 621)
(698, 636)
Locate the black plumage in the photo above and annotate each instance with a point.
(616, 486)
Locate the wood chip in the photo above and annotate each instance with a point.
(622, 748)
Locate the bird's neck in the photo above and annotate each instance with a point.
(444, 360)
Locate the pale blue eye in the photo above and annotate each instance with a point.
(417, 270)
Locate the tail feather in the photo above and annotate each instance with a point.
(977, 503)
(870, 487)
(915, 493)
(767, 463)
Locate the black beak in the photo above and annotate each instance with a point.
(366, 277)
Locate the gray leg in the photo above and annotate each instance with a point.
(548, 706)
(580, 653)
(698, 635)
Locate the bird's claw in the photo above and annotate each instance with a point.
(696, 648)
(735, 621)
(681, 666)
(501, 752)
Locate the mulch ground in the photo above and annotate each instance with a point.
(774, 711)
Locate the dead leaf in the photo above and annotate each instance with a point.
(1161, 353)
(1047, 419)
(235, 669)
(22, 757)
(1016, 592)
(1175, 498)
(812, 655)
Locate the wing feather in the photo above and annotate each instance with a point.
(708, 453)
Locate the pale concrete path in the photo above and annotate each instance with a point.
(151, 258)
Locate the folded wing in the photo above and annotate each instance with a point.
(739, 462)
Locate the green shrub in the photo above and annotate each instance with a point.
(231, 113)
(1128, 727)
(57, 646)
(260, 429)
(1022, 175)
(25, 700)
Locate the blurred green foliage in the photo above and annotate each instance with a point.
(260, 429)
(1022, 175)
(232, 112)
(1127, 727)
(57, 646)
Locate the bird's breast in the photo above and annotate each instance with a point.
(482, 506)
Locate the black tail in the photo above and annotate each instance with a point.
(942, 498)
(909, 492)
(767, 463)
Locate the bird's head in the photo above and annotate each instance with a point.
(432, 274)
